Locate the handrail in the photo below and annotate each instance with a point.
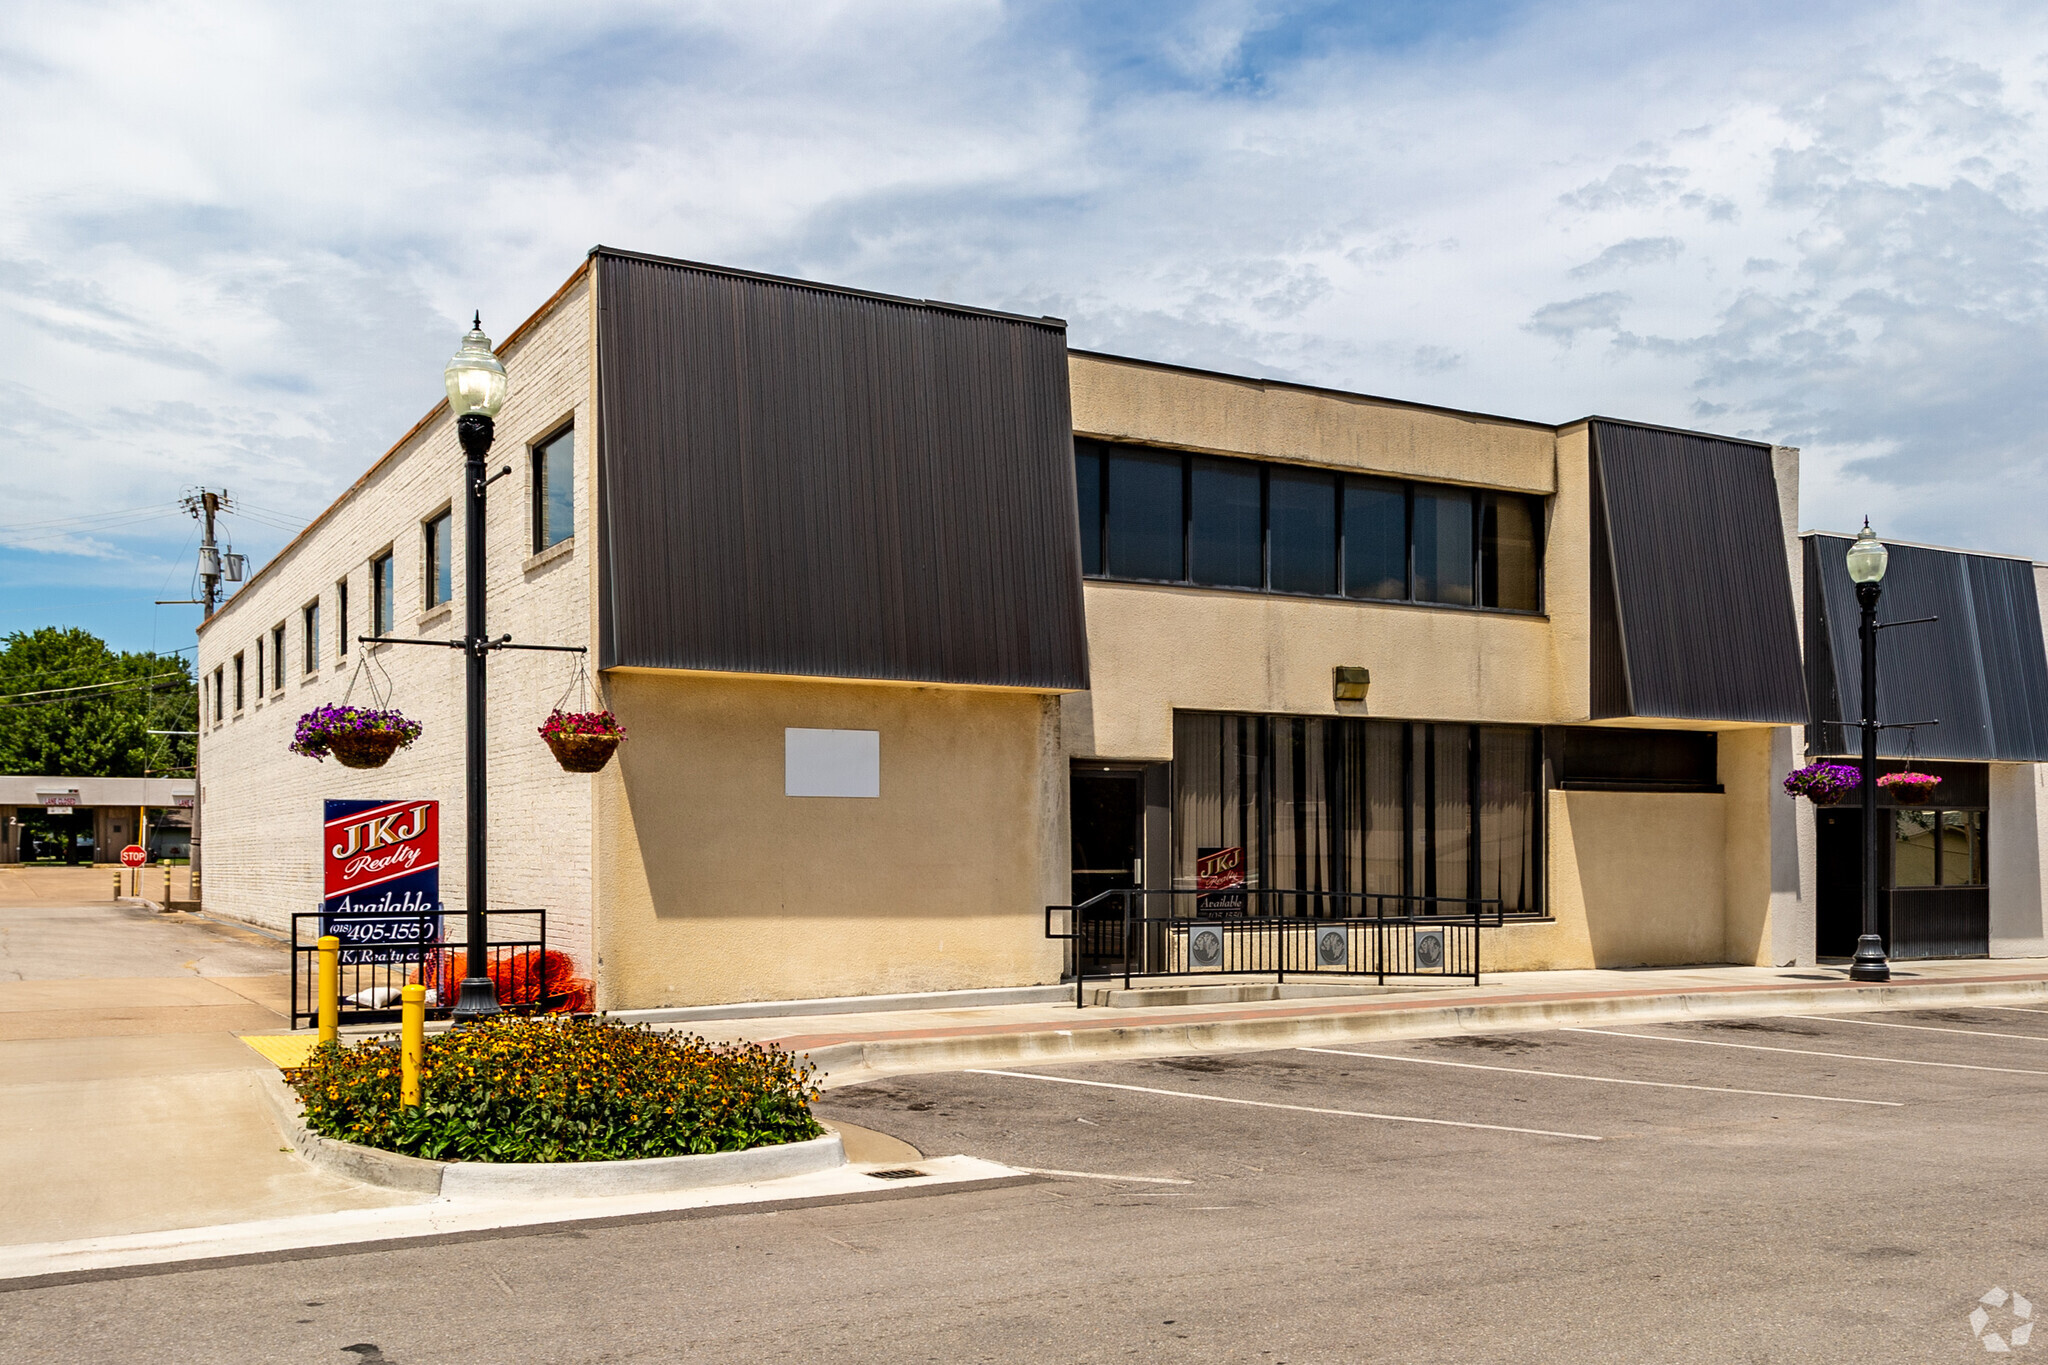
(1414, 913)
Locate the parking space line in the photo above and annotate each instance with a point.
(1603, 1080)
(1923, 1028)
(1098, 1175)
(1808, 1052)
(1295, 1108)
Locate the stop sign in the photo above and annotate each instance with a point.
(133, 856)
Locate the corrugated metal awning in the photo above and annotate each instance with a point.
(1980, 670)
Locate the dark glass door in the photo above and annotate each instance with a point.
(1108, 820)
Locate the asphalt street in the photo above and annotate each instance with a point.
(1826, 1188)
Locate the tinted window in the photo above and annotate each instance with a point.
(309, 647)
(341, 619)
(1144, 515)
(1302, 542)
(440, 573)
(1375, 539)
(382, 582)
(1223, 524)
(554, 491)
(1507, 552)
(1443, 546)
(1088, 497)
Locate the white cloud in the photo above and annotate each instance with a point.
(235, 247)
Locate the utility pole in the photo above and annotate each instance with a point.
(205, 504)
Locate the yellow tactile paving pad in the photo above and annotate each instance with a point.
(285, 1050)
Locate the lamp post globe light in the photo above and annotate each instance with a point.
(477, 386)
(1866, 560)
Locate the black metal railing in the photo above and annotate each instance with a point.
(1250, 931)
(381, 954)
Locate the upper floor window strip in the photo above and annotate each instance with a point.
(1167, 517)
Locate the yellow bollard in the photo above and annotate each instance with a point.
(117, 886)
(330, 988)
(412, 1042)
(167, 886)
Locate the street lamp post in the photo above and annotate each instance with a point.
(476, 390)
(1866, 560)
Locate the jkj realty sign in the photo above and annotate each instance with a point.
(383, 884)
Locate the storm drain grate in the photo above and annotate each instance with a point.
(900, 1173)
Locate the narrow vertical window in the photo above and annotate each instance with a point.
(277, 657)
(1088, 499)
(440, 575)
(341, 619)
(260, 675)
(1375, 539)
(554, 490)
(1224, 517)
(1443, 546)
(309, 636)
(1145, 523)
(219, 708)
(1301, 535)
(382, 598)
(1509, 564)
(238, 683)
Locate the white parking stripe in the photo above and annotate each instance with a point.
(1807, 1052)
(1604, 1080)
(1295, 1108)
(1923, 1028)
(1098, 1175)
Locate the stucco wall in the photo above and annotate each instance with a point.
(261, 806)
(1154, 649)
(2016, 848)
(1133, 401)
(1636, 879)
(718, 887)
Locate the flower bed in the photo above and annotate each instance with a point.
(353, 733)
(519, 1089)
(1823, 783)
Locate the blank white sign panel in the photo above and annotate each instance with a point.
(831, 762)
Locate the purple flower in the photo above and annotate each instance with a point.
(319, 727)
(1822, 781)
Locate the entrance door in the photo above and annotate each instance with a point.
(1108, 810)
(1838, 878)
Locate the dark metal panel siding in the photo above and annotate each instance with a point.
(1610, 665)
(1701, 586)
(1980, 670)
(811, 481)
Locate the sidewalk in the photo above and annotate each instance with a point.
(850, 1048)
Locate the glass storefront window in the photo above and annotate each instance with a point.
(1962, 848)
(1913, 848)
(1327, 805)
(1938, 848)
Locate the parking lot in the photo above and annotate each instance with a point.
(1821, 1187)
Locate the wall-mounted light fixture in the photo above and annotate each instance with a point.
(1349, 682)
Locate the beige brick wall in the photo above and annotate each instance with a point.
(261, 805)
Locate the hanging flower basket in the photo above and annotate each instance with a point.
(1910, 789)
(1824, 784)
(357, 736)
(582, 741)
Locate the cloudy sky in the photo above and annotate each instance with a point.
(237, 241)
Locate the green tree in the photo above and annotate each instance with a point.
(71, 707)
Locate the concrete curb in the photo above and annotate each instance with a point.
(850, 1063)
(544, 1180)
